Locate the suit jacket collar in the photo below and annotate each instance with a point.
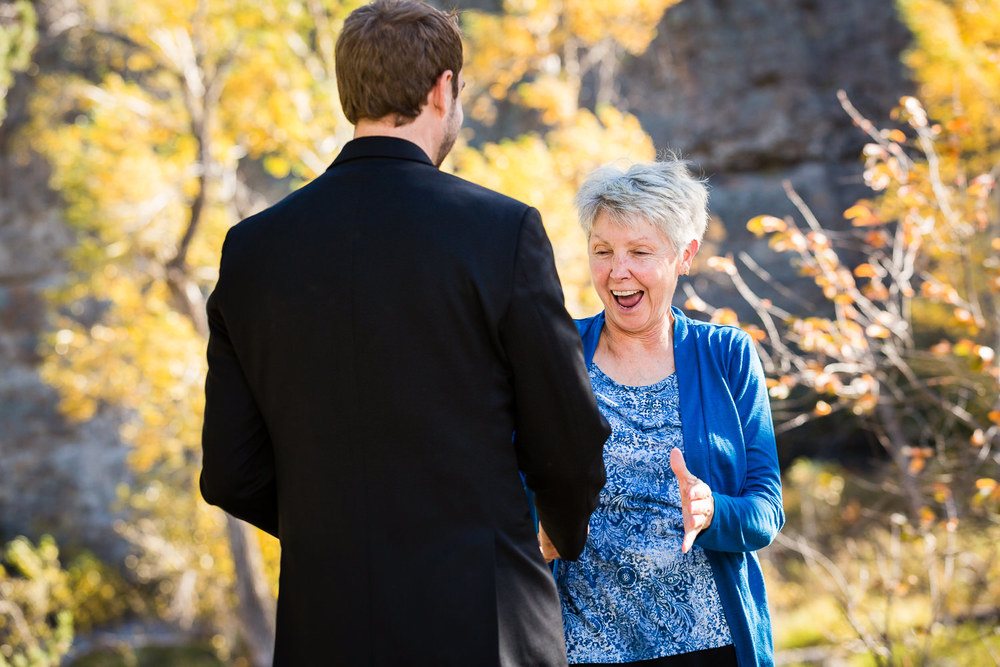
(385, 147)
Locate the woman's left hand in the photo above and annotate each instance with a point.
(697, 503)
(549, 552)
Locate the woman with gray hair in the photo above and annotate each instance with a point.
(668, 575)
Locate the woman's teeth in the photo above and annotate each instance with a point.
(627, 298)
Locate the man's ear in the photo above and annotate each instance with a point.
(440, 95)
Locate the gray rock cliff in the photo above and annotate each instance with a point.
(747, 90)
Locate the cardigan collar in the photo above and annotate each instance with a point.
(590, 331)
(384, 147)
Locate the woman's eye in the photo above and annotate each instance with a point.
(602, 253)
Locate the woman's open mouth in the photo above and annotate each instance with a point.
(627, 299)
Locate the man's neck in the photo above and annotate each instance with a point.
(418, 131)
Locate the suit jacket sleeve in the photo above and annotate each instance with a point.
(237, 459)
(560, 433)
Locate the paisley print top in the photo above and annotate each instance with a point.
(633, 595)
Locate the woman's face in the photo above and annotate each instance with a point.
(635, 270)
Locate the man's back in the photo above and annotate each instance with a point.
(393, 326)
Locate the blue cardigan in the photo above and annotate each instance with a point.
(729, 442)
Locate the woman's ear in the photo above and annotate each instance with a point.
(687, 258)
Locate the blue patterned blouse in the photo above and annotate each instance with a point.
(633, 595)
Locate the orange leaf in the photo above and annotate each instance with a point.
(725, 316)
(857, 211)
(877, 239)
(876, 291)
(862, 216)
(756, 333)
(822, 408)
(896, 135)
(986, 485)
(877, 331)
(865, 271)
(941, 349)
(958, 126)
(978, 438)
(865, 404)
(722, 264)
(766, 224)
(870, 221)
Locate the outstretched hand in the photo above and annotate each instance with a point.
(697, 503)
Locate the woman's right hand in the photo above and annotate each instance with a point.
(697, 501)
(549, 552)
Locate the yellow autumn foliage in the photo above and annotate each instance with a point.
(186, 90)
(547, 46)
(955, 58)
(159, 130)
(546, 171)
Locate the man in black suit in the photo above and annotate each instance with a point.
(389, 352)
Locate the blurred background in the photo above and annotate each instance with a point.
(852, 150)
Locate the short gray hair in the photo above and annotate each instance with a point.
(663, 193)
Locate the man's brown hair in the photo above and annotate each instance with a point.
(389, 56)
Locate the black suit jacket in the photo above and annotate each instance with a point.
(377, 338)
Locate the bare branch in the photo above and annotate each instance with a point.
(869, 128)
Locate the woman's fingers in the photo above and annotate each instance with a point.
(697, 503)
(699, 491)
(548, 549)
(680, 468)
(689, 540)
(701, 507)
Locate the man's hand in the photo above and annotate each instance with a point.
(697, 503)
(549, 552)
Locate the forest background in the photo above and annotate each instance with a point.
(851, 149)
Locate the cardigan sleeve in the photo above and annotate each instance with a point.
(750, 520)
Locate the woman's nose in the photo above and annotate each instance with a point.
(619, 268)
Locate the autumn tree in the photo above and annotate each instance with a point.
(558, 62)
(155, 127)
(910, 351)
(908, 347)
(955, 60)
(18, 35)
(166, 125)
(44, 600)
